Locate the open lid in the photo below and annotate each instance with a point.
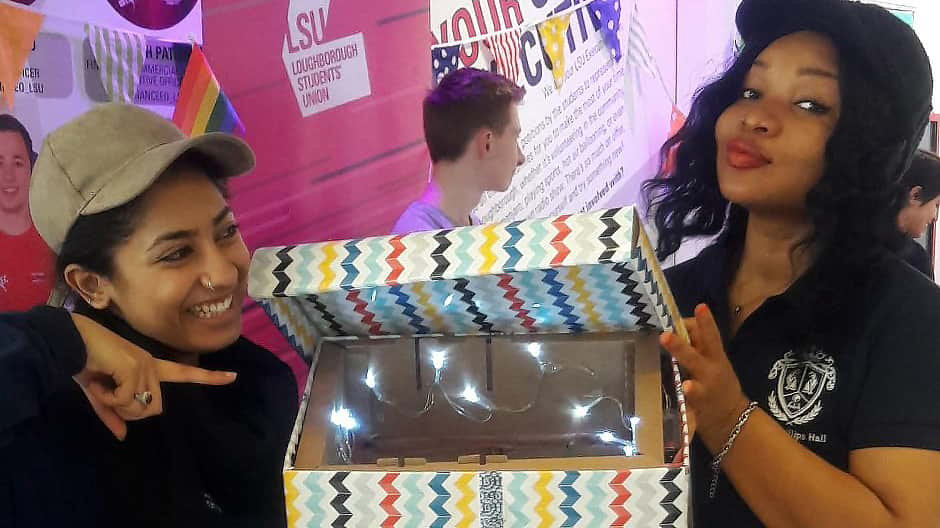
(591, 272)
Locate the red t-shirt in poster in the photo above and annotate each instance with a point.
(25, 271)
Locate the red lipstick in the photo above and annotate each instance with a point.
(743, 155)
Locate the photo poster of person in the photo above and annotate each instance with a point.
(25, 261)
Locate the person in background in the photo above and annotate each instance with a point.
(922, 181)
(471, 126)
(811, 372)
(25, 261)
(152, 255)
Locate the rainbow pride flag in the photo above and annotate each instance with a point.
(201, 106)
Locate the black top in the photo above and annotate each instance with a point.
(214, 458)
(915, 255)
(864, 378)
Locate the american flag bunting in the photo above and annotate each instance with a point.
(505, 49)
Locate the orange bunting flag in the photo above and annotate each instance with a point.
(18, 30)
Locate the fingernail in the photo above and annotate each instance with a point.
(665, 338)
(702, 309)
(232, 375)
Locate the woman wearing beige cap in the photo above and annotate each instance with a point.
(152, 258)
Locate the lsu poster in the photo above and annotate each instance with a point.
(324, 74)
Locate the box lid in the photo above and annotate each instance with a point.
(590, 272)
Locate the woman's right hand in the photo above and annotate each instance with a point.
(116, 369)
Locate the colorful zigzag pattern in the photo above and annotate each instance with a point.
(569, 499)
(590, 272)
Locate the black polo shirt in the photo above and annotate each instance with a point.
(866, 377)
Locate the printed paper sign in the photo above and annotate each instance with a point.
(573, 137)
(48, 70)
(323, 74)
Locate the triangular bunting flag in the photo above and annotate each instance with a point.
(202, 106)
(638, 52)
(677, 121)
(639, 58)
(675, 124)
(606, 13)
(505, 49)
(553, 38)
(18, 30)
(443, 61)
(120, 57)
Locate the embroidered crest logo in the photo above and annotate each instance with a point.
(801, 380)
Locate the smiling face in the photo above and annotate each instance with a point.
(772, 140)
(14, 173)
(186, 236)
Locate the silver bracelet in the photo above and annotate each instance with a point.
(716, 462)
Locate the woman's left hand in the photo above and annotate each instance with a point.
(712, 393)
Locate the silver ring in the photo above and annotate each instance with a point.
(143, 397)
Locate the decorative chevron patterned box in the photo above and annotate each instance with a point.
(591, 273)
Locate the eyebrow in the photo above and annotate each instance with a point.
(183, 234)
(817, 72)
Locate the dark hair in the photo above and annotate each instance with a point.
(93, 239)
(924, 173)
(853, 206)
(465, 101)
(9, 123)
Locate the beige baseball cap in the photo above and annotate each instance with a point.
(110, 155)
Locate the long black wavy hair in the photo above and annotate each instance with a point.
(852, 208)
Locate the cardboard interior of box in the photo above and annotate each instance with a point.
(414, 415)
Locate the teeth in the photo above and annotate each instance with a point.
(210, 310)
